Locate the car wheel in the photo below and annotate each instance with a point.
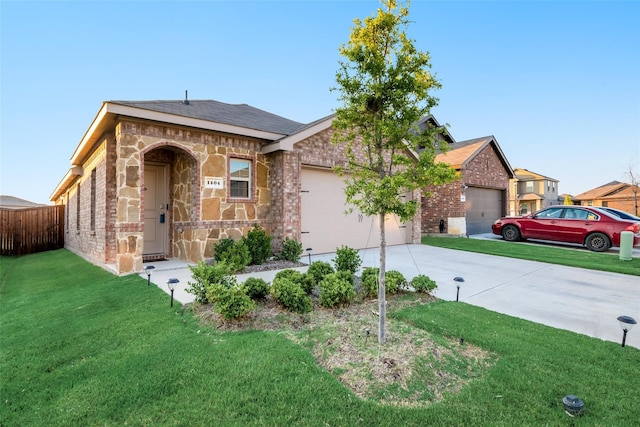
(510, 233)
(597, 242)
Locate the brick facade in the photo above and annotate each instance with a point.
(484, 169)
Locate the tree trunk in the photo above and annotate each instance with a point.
(382, 300)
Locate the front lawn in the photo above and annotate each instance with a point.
(570, 256)
(80, 347)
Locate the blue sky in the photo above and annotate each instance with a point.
(557, 83)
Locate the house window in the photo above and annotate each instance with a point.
(605, 204)
(529, 188)
(240, 178)
(78, 208)
(93, 200)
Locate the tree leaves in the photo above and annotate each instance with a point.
(384, 85)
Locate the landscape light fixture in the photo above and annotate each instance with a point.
(171, 284)
(309, 252)
(573, 405)
(148, 269)
(459, 281)
(626, 323)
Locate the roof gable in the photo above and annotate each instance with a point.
(443, 131)
(527, 175)
(461, 153)
(601, 191)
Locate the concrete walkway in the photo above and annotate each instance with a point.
(575, 299)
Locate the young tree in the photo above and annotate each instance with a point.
(384, 84)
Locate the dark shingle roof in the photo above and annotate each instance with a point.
(242, 115)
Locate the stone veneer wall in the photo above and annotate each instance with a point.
(484, 170)
(199, 216)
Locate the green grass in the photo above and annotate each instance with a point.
(81, 347)
(574, 257)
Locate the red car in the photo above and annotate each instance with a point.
(596, 229)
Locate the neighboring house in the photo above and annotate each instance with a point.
(471, 204)
(11, 202)
(615, 194)
(169, 179)
(532, 192)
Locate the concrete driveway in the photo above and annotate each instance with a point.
(575, 299)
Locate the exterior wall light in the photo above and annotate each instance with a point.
(148, 269)
(626, 323)
(171, 284)
(459, 281)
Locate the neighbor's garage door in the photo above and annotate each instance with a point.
(325, 226)
(483, 206)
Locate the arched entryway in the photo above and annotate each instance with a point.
(169, 196)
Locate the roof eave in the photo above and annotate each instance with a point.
(62, 186)
(287, 143)
(108, 112)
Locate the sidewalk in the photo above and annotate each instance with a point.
(575, 299)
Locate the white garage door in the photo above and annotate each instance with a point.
(483, 206)
(326, 227)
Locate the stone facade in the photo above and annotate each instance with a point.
(199, 216)
(106, 201)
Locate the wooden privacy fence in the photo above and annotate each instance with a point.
(27, 231)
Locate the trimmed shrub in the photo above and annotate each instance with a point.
(256, 288)
(259, 244)
(369, 281)
(230, 302)
(423, 284)
(222, 246)
(305, 281)
(335, 290)
(394, 281)
(347, 259)
(346, 275)
(236, 254)
(290, 295)
(318, 269)
(291, 250)
(206, 275)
